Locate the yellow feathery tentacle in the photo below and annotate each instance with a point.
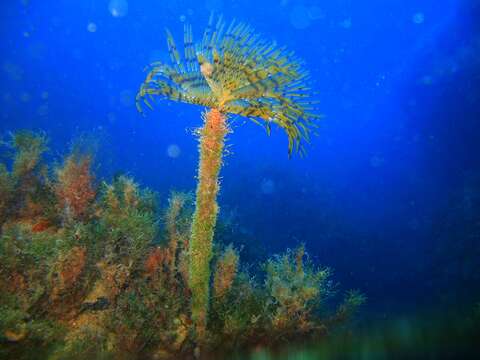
(235, 71)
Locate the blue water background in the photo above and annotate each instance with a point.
(389, 190)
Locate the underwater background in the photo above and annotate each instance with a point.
(388, 194)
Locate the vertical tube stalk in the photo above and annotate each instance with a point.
(212, 137)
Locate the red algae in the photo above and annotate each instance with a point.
(74, 189)
(41, 225)
(155, 260)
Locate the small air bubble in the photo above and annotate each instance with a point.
(42, 110)
(173, 151)
(315, 13)
(299, 17)
(127, 98)
(111, 117)
(418, 18)
(346, 24)
(92, 27)
(25, 97)
(267, 186)
(118, 8)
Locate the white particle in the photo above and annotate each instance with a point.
(173, 151)
(346, 24)
(118, 8)
(418, 18)
(315, 13)
(92, 27)
(299, 17)
(267, 186)
(127, 97)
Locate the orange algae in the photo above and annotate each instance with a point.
(74, 189)
(176, 239)
(226, 271)
(71, 267)
(155, 259)
(66, 285)
(41, 225)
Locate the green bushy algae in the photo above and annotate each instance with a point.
(114, 282)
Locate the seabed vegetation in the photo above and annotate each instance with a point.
(91, 269)
(96, 269)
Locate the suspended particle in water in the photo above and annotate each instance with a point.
(115, 64)
(315, 13)
(173, 151)
(299, 17)
(42, 110)
(346, 24)
(267, 186)
(127, 98)
(37, 50)
(14, 71)
(112, 100)
(183, 18)
(77, 54)
(92, 27)
(190, 12)
(111, 117)
(426, 80)
(418, 18)
(118, 8)
(376, 161)
(7, 97)
(25, 97)
(414, 224)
